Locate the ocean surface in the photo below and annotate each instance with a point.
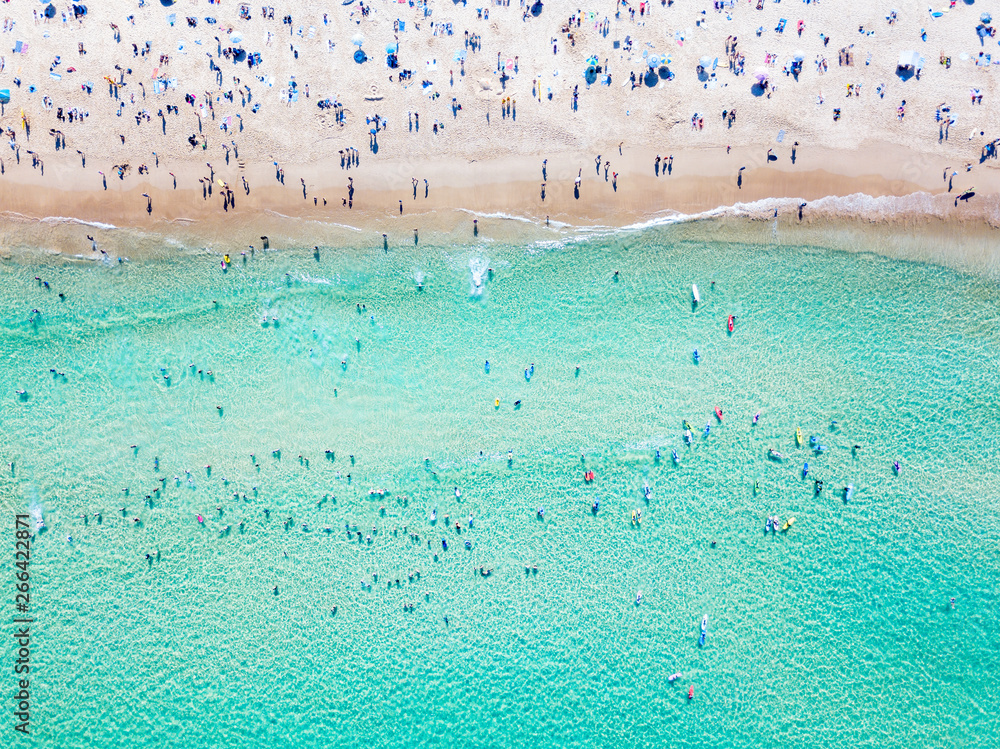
(341, 399)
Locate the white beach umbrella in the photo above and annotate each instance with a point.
(357, 40)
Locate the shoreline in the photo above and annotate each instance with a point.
(867, 189)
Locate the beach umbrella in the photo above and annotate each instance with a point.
(653, 61)
(760, 75)
(236, 38)
(985, 18)
(705, 62)
(390, 48)
(166, 3)
(357, 40)
(799, 55)
(5, 96)
(459, 55)
(592, 60)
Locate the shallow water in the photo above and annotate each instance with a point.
(836, 633)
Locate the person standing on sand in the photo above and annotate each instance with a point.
(400, 207)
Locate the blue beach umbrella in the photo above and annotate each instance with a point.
(391, 47)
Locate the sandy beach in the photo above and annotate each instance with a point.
(658, 109)
(419, 374)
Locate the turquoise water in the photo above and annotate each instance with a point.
(837, 632)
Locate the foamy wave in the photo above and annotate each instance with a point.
(314, 221)
(60, 220)
(339, 226)
(855, 205)
(72, 220)
(502, 215)
(478, 270)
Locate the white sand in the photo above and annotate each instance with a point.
(488, 158)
